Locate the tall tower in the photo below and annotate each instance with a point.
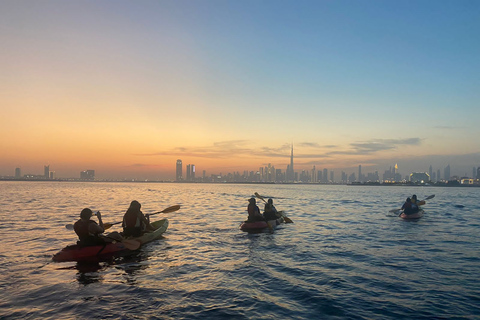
(446, 173)
(18, 173)
(46, 171)
(178, 176)
(292, 171)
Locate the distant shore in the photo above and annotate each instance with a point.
(452, 183)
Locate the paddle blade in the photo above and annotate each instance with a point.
(259, 196)
(107, 226)
(287, 219)
(170, 209)
(69, 226)
(131, 244)
(430, 197)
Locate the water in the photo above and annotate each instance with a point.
(345, 257)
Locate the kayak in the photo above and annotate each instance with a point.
(84, 253)
(160, 227)
(416, 215)
(81, 253)
(259, 226)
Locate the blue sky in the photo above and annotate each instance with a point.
(231, 84)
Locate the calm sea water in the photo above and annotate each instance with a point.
(344, 257)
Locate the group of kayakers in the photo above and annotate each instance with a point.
(411, 205)
(90, 233)
(254, 214)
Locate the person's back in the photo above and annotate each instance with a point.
(270, 212)
(253, 211)
(87, 230)
(133, 224)
(415, 203)
(407, 207)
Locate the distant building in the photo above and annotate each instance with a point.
(87, 175)
(446, 173)
(421, 177)
(46, 172)
(478, 173)
(18, 173)
(179, 171)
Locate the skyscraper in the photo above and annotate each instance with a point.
(290, 170)
(446, 173)
(18, 173)
(179, 174)
(46, 172)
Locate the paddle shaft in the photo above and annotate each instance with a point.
(109, 225)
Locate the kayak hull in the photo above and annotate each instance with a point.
(160, 227)
(416, 215)
(94, 253)
(259, 226)
(80, 253)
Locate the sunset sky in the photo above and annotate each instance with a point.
(127, 87)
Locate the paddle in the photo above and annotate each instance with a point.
(131, 244)
(399, 210)
(109, 225)
(287, 219)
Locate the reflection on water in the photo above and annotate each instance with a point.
(344, 257)
(88, 272)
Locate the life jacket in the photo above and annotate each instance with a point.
(270, 208)
(254, 213)
(408, 208)
(131, 219)
(84, 235)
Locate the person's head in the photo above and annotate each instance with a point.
(409, 200)
(135, 205)
(414, 197)
(270, 201)
(252, 201)
(86, 214)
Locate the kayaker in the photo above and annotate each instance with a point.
(253, 211)
(270, 212)
(135, 223)
(415, 207)
(89, 232)
(407, 207)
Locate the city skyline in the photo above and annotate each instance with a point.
(270, 173)
(127, 88)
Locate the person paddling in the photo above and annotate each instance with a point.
(269, 211)
(135, 223)
(415, 203)
(253, 211)
(90, 233)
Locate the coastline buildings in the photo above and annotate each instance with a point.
(87, 175)
(179, 171)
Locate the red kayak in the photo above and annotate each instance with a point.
(416, 215)
(259, 226)
(81, 253)
(94, 253)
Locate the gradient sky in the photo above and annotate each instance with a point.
(127, 87)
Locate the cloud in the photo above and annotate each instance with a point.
(376, 145)
(246, 148)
